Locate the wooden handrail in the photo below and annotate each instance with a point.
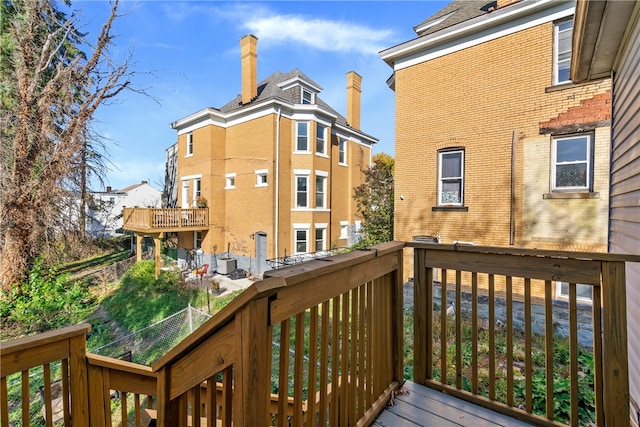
(443, 273)
(338, 323)
(340, 295)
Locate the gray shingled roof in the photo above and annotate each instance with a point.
(269, 89)
(458, 11)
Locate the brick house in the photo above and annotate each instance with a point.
(276, 166)
(494, 143)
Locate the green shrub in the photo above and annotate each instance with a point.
(45, 301)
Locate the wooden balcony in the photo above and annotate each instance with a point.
(158, 220)
(321, 343)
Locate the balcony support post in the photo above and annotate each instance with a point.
(158, 247)
(139, 238)
(614, 327)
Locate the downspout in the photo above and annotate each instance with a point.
(277, 183)
(328, 245)
(512, 202)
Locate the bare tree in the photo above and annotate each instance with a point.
(49, 92)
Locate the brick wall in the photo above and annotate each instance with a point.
(476, 99)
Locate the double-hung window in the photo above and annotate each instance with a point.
(302, 190)
(321, 144)
(562, 32)
(321, 189)
(190, 144)
(451, 177)
(307, 96)
(571, 169)
(302, 239)
(320, 238)
(302, 136)
(342, 151)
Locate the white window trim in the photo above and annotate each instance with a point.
(346, 158)
(298, 173)
(560, 295)
(189, 149)
(300, 227)
(556, 52)
(296, 149)
(323, 227)
(554, 163)
(311, 96)
(228, 177)
(344, 226)
(259, 174)
(322, 153)
(324, 175)
(440, 154)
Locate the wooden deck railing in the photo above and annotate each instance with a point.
(321, 340)
(320, 343)
(316, 344)
(487, 330)
(162, 219)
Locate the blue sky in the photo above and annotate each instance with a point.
(187, 54)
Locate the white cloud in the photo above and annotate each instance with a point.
(321, 34)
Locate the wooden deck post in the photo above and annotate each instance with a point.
(253, 372)
(421, 315)
(158, 248)
(398, 320)
(79, 380)
(139, 238)
(614, 327)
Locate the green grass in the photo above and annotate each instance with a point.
(560, 380)
(94, 262)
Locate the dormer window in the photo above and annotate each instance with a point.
(307, 96)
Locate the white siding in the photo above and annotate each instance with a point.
(624, 235)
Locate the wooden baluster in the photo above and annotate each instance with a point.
(313, 366)
(492, 338)
(548, 318)
(443, 327)
(298, 370)
(528, 370)
(509, 321)
(283, 373)
(324, 364)
(474, 332)
(573, 353)
(458, 320)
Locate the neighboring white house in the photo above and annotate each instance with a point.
(104, 210)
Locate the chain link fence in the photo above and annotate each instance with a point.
(149, 344)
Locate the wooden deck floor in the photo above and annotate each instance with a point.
(423, 406)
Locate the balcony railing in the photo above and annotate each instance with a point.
(321, 343)
(164, 219)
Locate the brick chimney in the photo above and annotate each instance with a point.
(249, 62)
(354, 81)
